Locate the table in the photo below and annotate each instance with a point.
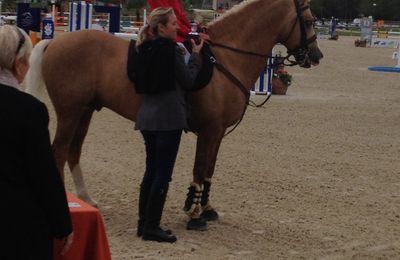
(90, 239)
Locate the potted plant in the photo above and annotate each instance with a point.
(281, 80)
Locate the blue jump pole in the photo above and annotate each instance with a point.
(385, 69)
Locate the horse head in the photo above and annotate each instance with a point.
(300, 37)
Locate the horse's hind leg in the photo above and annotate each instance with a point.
(66, 126)
(74, 155)
(197, 204)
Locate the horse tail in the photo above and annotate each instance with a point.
(34, 83)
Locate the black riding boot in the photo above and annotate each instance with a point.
(143, 198)
(155, 205)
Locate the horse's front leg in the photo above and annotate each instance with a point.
(208, 143)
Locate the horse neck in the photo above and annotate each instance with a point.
(253, 26)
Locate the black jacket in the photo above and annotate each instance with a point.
(166, 108)
(33, 202)
(152, 66)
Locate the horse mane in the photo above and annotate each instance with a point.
(244, 14)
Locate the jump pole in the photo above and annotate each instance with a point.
(53, 11)
(396, 69)
(0, 9)
(80, 16)
(263, 86)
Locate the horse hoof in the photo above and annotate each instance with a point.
(198, 224)
(89, 201)
(210, 215)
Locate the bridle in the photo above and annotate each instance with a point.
(300, 54)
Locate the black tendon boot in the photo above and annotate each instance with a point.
(208, 213)
(155, 205)
(193, 209)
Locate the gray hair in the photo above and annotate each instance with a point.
(10, 41)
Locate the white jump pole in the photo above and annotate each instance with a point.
(72, 16)
(80, 16)
(86, 15)
(0, 11)
(263, 85)
(53, 11)
(396, 55)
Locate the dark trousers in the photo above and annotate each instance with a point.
(161, 150)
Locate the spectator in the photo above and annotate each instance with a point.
(32, 196)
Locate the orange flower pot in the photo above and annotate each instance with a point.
(278, 87)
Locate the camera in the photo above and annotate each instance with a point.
(195, 36)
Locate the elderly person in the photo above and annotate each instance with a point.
(33, 202)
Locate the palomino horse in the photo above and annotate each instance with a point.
(93, 68)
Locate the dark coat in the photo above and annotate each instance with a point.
(33, 202)
(151, 67)
(167, 110)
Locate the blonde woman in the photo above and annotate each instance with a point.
(161, 75)
(32, 196)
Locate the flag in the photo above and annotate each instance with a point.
(183, 23)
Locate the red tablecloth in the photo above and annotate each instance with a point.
(90, 239)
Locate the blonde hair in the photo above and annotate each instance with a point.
(159, 15)
(10, 39)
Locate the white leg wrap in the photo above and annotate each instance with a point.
(81, 190)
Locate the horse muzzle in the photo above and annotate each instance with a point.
(309, 58)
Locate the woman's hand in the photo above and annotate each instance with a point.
(204, 36)
(197, 47)
(67, 243)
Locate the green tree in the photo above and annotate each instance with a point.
(350, 9)
(9, 5)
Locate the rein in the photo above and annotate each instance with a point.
(300, 52)
(238, 83)
(242, 88)
(238, 50)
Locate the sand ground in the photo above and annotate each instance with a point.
(314, 174)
